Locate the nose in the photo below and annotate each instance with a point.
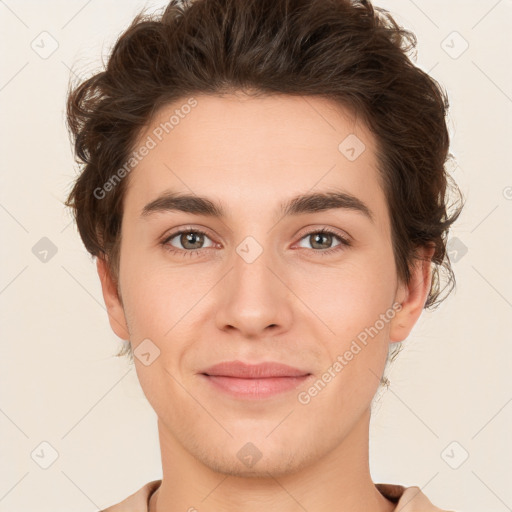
(253, 298)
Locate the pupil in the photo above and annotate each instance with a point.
(319, 236)
(192, 238)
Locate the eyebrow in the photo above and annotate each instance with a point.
(306, 203)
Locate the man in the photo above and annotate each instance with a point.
(264, 189)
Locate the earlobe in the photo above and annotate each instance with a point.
(412, 296)
(115, 310)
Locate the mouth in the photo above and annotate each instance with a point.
(254, 381)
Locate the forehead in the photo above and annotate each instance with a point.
(251, 152)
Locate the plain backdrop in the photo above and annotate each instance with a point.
(67, 403)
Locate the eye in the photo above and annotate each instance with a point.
(325, 237)
(191, 240)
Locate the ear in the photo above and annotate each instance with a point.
(112, 300)
(412, 296)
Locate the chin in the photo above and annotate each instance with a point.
(261, 458)
(272, 465)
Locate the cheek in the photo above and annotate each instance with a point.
(150, 297)
(348, 298)
(355, 302)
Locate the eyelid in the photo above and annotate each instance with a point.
(187, 229)
(325, 229)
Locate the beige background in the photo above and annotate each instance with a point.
(60, 381)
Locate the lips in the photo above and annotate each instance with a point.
(242, 370)
(253, 381)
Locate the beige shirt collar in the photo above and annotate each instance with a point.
(407, 499)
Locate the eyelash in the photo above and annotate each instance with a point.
(344, 242)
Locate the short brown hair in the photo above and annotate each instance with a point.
(347, 51)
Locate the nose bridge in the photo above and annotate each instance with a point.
(252, 238)
(252, 260)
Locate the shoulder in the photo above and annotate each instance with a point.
(136, 502)
(408, 499)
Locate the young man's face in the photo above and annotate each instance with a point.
(260, 286)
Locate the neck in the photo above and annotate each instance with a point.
(339, 480)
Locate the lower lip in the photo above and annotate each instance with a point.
(254, 388)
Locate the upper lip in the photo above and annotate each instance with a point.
(253, 371)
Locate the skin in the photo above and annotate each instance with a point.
(292, 304)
